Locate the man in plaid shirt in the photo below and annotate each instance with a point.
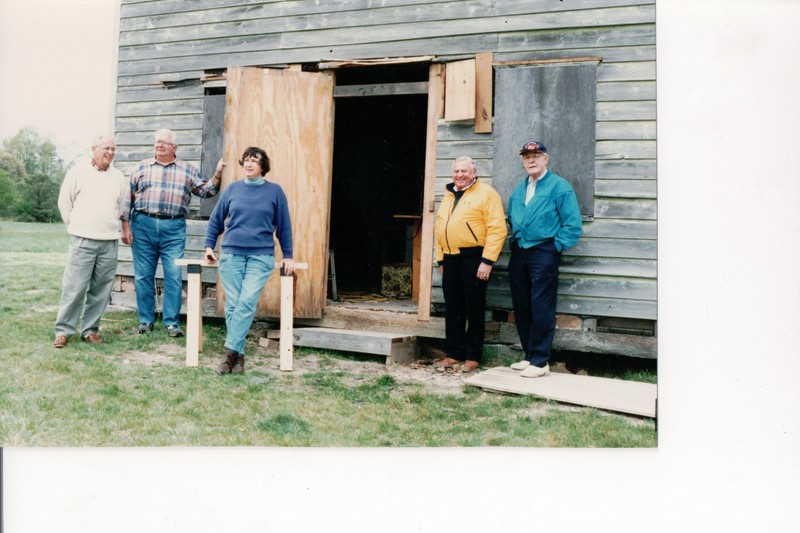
(154, 223)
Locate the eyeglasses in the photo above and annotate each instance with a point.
(165, 143)
(533, 154)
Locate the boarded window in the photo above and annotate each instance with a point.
(213, 126)
(554, 104)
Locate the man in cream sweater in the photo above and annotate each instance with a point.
(90, 202)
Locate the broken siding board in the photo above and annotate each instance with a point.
(512, 44)
(624, 54)
(627, 71)
(631, 149)
(382, 89)
(148, 94)
(631, 397)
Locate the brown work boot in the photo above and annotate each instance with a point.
(447, 362)
(60, 341)
(238, 367)
(469, 366)
(92, 338)
(228, 363)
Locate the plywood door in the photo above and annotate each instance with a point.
(288, 113)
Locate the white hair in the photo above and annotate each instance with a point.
(167, 133)
(100, 139)
(466, 159)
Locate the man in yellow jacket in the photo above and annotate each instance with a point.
(470, 231)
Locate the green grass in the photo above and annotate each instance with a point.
(135, 390)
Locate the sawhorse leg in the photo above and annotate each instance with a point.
(287, 318)
(287, 322)
(194, 315)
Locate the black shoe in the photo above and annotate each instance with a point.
(144, 327)
(174, 330)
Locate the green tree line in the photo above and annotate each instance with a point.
(31, 172)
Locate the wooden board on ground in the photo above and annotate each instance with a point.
(630, 397)
(396, 347)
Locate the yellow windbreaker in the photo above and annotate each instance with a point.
(476, 220)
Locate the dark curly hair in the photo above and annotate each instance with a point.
(258, 153)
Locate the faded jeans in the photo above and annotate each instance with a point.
(243, 279)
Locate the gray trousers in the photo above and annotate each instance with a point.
(86, 285)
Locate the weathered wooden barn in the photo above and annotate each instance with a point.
(363, 105)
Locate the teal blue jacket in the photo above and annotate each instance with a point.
(553, 213)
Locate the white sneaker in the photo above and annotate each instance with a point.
(535, 371)
(522, 365)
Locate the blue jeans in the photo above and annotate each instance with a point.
(533, 277)
(243, 279)
(155, 239)
(86, 285)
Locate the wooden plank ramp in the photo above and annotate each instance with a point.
(397, 347)
(631, 397)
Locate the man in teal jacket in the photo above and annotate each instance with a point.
(545, 220)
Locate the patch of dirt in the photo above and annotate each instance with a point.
(267, 362)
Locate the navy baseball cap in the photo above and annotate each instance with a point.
(533, 146)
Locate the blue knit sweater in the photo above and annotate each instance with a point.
(250, 215)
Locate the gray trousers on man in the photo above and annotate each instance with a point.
(86, 285)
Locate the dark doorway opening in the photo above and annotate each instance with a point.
(378, 175)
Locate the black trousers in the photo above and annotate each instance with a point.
(533, 277)
(465, 306)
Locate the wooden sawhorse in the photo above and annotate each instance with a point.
(194, 312)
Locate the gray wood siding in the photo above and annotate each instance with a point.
(167, 46)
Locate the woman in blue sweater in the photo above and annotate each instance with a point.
(250, 212)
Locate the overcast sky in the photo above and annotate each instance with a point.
(57, 69)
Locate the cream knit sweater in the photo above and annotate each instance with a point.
(90, 201)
